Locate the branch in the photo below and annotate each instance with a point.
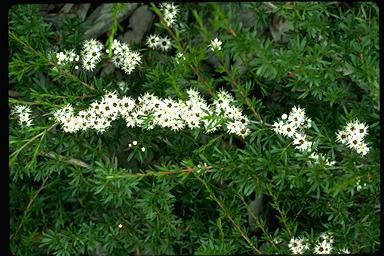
(14, 154)
(14, 36)
(228, 215)
(29, 206)
(64, 159)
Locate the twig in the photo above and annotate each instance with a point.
(255, 217)
(14, 154)
(29, 206)
(235, 86)
(228, 215)
(281, 212)
(13, 35)
(69, 160)
(152, 173)
(83, 164)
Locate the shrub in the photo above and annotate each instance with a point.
(223, 128)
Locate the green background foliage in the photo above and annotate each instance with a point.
(189, 192)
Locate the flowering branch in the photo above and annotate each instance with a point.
(63, 71)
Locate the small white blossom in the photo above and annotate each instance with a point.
(215, 45)
(289, 130)
(353, 137)
(23, 114)
(298, 245)
(301, 142)
(153, 41)
(91, 54)
(169, 11)
(124, 57)
(323, 247)
(165, 44)
(296, 116)
(278, 127)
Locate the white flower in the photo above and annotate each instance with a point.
(284, 116)
(353, 142)
(323, 248)
(169, 11)
(153, 41)
(124, 58)
(134, 143)
(165, 44)
(215, 45)
(91, 54)
(362, 148)
(61, 57)
(278, 127)
(358, 185)
(361, 129)
(353, 135)
(143, 149)
(23, 113)
(301, 142)
(326, 236)
(342, 136)
(238, 128)
(298, 245)
(288, 130)
(296, 116)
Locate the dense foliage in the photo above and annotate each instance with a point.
(187, 191)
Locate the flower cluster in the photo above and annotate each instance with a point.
(124, 58)
(353, 137)
(149, 111)
(293, 126)
(169, 11)
(91, 54)
(67, 56)
(215, 45)
(154, 41)
(236, 122)
(323, 245)
(298, 245)
(23, 114)
(98, 116)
